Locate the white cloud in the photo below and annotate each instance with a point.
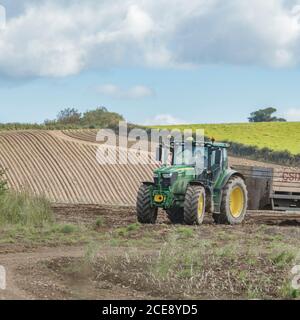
(164, 119)
(135, 92)
(60, 38)
(293, 114)
(2, 17)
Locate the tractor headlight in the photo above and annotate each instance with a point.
(167, 175)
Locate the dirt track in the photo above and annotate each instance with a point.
(123, 215)
(41, 271)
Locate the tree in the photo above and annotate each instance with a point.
(101, 117)
(265, 115)
(69, 116)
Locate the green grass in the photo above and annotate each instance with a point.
(125, 231)
(278, 136)
(29, 220)
(24, 209)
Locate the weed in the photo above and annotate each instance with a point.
(24, 209)
(133, 227)
(3, 182)
(185, 232)
(282, 258)
(67, 228)
(99, 222)
(227, 251)
(91, 252)
(125, 231)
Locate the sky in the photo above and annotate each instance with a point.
(155, 62)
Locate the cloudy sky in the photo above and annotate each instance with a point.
(167, 61)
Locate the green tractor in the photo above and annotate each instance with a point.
(186, 188)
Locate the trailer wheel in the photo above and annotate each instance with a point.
(175, 215)
(234, 202)
(194, 205)
(145, 213)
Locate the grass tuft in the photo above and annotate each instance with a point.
(25, 210)
(185, 232)
(99, 222)
(283, 258)
(67, 228)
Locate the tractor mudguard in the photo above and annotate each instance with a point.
(199, 183)
(226, 178)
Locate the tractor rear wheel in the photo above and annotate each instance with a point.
(234, 202)
(145, 213)
(194, 205)
(175, 215)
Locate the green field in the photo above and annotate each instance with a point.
(278, 136)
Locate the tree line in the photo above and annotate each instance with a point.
(71, 118)
(97, 118)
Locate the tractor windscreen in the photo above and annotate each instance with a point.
(194, 156)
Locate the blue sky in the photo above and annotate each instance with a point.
(203, 62)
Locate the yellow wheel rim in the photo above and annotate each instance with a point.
(237, 201)
(200, 205)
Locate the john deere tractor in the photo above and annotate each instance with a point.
(191, 183)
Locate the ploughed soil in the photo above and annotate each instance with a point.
(116, 258)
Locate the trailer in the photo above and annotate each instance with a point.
(275, 189)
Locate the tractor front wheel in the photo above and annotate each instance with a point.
(175, 215)
(145, 213)
(194, 205)
(234, 202)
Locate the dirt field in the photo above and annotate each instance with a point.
(98, 252)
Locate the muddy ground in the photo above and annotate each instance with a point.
(95, 252)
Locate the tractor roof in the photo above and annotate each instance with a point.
(208, 144)
(217, 144)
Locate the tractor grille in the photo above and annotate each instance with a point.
(166, 182)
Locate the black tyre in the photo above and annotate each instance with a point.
(175, 215)
(234, 202)
(145, 213)
(194, 205)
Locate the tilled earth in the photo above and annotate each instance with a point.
(130, 261)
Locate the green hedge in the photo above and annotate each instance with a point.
(264, 154)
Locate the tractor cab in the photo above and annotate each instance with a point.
(206, 159)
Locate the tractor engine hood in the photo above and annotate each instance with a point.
(178, 170)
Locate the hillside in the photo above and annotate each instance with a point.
(278, 136)
(65, 169)
(62, 166)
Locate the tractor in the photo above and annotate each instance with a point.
(192, 182)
